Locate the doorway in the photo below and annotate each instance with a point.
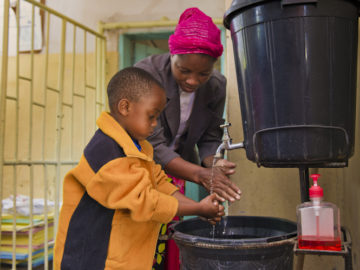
(136, 46)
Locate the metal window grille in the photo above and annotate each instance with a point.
(49, 101)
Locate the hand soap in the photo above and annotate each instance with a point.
(318, 222)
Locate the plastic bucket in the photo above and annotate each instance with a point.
(296, 66)
(239, 242)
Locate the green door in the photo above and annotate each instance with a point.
(134, 47)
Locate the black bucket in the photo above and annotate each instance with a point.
(296, 66)
(239, 242)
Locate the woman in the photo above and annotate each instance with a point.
(195, 104)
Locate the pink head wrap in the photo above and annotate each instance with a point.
(196, 33)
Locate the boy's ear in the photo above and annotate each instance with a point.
(123, 106)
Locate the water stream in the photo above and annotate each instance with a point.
(211, 191)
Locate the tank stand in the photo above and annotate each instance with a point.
(304, 184)
(344, 252)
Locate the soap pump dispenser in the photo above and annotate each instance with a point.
(318, 222)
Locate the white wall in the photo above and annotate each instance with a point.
(90, 12)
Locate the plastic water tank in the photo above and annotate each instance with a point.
(296, 64)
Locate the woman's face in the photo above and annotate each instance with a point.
(191, 70)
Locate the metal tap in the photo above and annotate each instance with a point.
(226, 142)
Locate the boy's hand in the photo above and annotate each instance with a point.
(213, 221)
(211, 208)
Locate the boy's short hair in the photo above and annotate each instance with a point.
(131, 83)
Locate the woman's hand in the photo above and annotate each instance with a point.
(221, 183)
(216, 179)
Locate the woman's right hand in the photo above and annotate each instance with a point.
(213, 179)
(216, 180)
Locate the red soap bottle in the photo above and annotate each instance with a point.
(318, 223)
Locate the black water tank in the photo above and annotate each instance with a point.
(296, 72)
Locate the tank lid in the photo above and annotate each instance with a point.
(237, 5)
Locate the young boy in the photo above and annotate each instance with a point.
(116, 198)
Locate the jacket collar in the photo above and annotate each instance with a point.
(114, 130)
(172, 108)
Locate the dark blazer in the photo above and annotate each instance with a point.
(204, 122)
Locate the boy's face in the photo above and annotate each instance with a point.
(191, 70)
(142, 115)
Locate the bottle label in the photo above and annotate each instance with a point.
(318, 222)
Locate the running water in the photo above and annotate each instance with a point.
(212, 174)
(224, 231)
(212, 190)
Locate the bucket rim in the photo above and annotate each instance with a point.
(238, 245)
(231, 243)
